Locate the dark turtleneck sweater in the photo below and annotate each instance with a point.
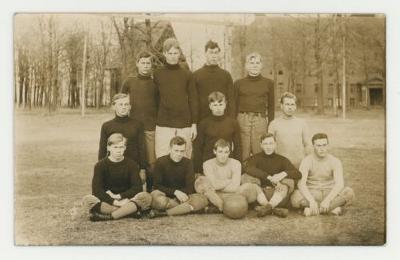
(255, 94)
(132, 130)
(178, 106)
(169, 175)
(212, 78)
(262, 165)
(144, 100)
(209, 131)
(119, 177)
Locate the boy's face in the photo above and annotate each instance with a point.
(212, 56)
(321, 147)
(268, 145)
(122, 107)
(218, 107)
(288, 106)
(254, 66)
(172, 56)
(117, 150)
(222, 154)
(177, 152)
(144, 66)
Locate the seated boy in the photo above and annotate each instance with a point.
(321, 188)
(273, 172)
(216, 126)
(222, 178)
(173, 181)
(116, 185)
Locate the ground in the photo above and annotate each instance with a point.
(55, 155)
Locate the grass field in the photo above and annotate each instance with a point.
(54, 159)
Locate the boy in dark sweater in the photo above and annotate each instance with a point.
(130, 128)
(211, 78)
(254, 104)
(178, 109)
(174, 183)
(274, 173)
(116, 185)
(144, 101)
(216, 126)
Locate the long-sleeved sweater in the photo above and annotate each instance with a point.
(219, 174)
(212, 78)
(144, 100)
(255, 94)
(169, 175)
(178, 106)
(119, 177)
(209, 131)
(133, 131)
(262, 165)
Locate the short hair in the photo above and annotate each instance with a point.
(319, 136)
(116, 138)
(170, 43)
(265, 136)
(143, 54)
(177, 140)
(216, 96)
(211, 45)
(288, 95)
(222, 143)
(253, 55)
(118, 96)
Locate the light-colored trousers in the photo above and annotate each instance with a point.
(252, 126)
(164, 136)
(149, 138)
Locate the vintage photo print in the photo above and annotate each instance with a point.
(199, 128)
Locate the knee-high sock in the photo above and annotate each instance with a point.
(107, 208)
(181, 209)
(213, 197)
(125, 210)
(279, 194)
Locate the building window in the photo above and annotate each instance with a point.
(316, 88)
(352, 102)
(298, 88)
(330, 88)
(280, 72)
(352, 88)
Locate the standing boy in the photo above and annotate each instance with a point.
(255, 105)
(178, 109)
(144, 101)
(211, 78)
(291, 133)
(174, 183)
(273, 172)
(130, 128)
(321, 188)
(214, 127)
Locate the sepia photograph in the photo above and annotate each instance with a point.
(199, 129)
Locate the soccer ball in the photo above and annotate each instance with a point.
(235, 206)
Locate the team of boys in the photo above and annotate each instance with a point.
(146, 168)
